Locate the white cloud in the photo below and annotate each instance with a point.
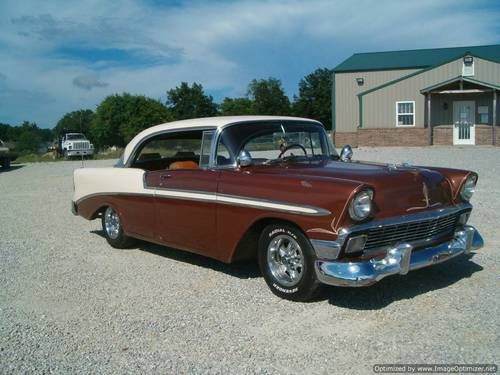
(220, 44)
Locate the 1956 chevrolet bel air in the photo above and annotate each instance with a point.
(275, 189)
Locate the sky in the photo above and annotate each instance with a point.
(60, 56)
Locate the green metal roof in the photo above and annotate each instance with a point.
(411, 59)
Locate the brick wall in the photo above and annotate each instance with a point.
(483, 135)
(393, 137)
(342, 139)
(442, 135)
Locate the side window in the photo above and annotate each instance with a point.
(170, 151)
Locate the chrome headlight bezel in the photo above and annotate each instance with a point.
(468, 187)
(361, 205)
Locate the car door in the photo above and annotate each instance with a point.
(185, 192)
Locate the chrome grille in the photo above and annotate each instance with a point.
(411, 232)
(81, 145)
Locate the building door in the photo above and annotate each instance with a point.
(463, 122)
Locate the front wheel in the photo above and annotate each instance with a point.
(113, 230)
(286, 260)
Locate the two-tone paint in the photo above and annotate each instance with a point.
(212, 211)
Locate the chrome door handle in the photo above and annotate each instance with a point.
(163, 177)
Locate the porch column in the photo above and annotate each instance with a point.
(494, 127)
(429, 117)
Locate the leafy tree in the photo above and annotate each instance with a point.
(268, 97)
(236, 106)
(120, 117)
(5, 132)
(28, 137)
(314, 100)
(76, 121)
(190, 102)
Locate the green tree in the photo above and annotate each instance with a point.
(314, 100)
(28, 137)
(190, 102)
(268, 97)
(236, 106)
(76, 122)
(5, 132)
(120, 117)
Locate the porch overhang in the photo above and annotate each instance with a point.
(450, 86)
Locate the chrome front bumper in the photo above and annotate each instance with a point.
(398, 260)
(85, 152)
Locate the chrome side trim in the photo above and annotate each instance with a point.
(398, 260)
(232, 200)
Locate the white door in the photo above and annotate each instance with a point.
(464, 117)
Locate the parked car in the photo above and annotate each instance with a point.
(275, 189)
(6, 156)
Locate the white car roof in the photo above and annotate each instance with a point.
(208, 122)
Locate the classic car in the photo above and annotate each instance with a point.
(275, 189)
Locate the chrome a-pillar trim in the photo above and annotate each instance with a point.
(399, 259)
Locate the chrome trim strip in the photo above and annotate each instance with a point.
(112, 193)
(398, 260)
(232, 200)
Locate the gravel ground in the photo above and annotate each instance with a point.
(69, 303)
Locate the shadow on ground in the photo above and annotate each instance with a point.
(395, 288)
(243, 270)
(375, 297)
(11, 169)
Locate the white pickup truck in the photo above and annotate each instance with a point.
(75, 144)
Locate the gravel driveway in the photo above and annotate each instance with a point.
(69, 303)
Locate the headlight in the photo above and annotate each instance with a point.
(70, 147)
(361, 205)
(468, 188)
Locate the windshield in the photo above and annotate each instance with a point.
(274, 141)
(74, 137)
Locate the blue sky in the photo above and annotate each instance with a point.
(59, 56)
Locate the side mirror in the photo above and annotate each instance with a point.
(244, 159)
(346, 153)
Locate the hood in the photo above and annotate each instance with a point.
(399, 189)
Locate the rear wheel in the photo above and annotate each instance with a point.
(113, 230)
(286, 260)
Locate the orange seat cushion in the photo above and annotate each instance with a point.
(184, 165)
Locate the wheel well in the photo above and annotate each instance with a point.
(98, 213)
(248, 244)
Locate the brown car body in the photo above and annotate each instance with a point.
(220, 212)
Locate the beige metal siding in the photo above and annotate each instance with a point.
(379, 107)
(347, 89)
(486, 71)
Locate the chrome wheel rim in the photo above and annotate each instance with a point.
(111, 223)
(285, 260)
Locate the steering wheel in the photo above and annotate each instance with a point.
(293, 145)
